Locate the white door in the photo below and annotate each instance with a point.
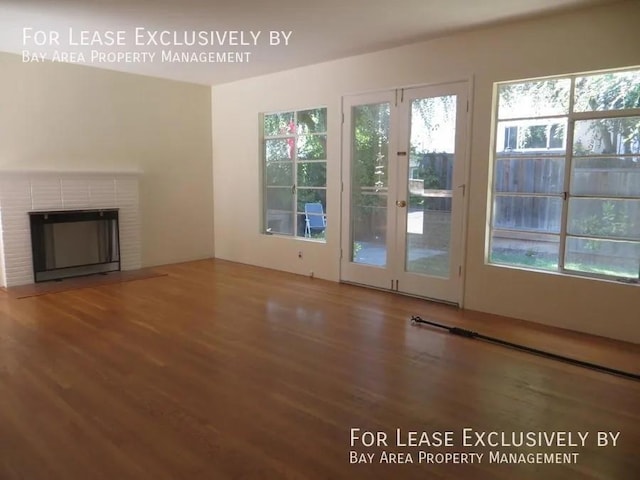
(404, 170)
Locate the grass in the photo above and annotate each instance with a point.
(548, 262)
(436, 265)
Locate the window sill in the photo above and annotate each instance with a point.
(291, 237)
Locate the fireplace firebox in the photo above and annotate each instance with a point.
(74, 243)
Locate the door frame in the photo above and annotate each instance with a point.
(396, 94)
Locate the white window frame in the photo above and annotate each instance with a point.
(297, 215)
(567, 154)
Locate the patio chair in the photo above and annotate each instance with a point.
(314, 219)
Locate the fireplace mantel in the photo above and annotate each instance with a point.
(22, 192)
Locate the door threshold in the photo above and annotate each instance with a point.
(404, 294)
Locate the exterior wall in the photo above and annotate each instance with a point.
(590, 39)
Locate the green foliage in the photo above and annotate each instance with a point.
(432, 108)
(369, 163)
(610, 91)
(427, 172)
(612, 221)
(311, 147)
(534, 98)
(312, 174)
(278, 124)
(305, 141)
(312, 121)
(535, 137)
(370, 145)
(357, 246)
(527, 259)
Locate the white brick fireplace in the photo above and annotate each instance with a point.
(24, 192)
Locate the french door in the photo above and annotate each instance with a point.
(404, 170)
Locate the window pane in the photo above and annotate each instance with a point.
(279, 174)
(370, 149)
(312, 195)
(531, 137)
(433, 125)
(312, 121)
(534, 175)
(612, 177)
(297, 158)
(278, 124)
(607, 136)
(312, 147)
(369, 179)
(276, 150)
(609, 91)
(369, 226)
(604, 218)
(534, 99)
(541, 214)
(312, 174)
(525, 249)
(280, 210)
(316, 216)
(605, 257)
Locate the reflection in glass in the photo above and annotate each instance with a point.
(278, 149)
(312, 147)
(604, 257)
(312, 121)
(431, 160)
(369, 176)
(279, 174)
(597, 217)
(529, 175)
(607, 136)
(608, 91)
(280, 210)
(541, 214)
(606, 176)
(539, 136)
(534, 99)
(312, 174)
(276, 124)
(525, 249)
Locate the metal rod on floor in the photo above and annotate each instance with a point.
(416, 320)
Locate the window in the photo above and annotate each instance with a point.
(295, 172)
(566, 175)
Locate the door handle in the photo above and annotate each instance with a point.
(401, 203)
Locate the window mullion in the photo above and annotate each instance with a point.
(535, 118)
(597, 126)
(494, 167)
(604, 114)
(567, 176)
(295, 174)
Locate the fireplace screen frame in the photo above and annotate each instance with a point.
(43, 272)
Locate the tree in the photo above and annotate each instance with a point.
(592, 93)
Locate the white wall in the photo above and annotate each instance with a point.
(591, 39)
(65, 117)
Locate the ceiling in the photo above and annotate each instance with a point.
(321, 30)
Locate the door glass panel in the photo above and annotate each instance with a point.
(431, 159)
(369, 183)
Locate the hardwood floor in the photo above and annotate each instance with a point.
(219, 370)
